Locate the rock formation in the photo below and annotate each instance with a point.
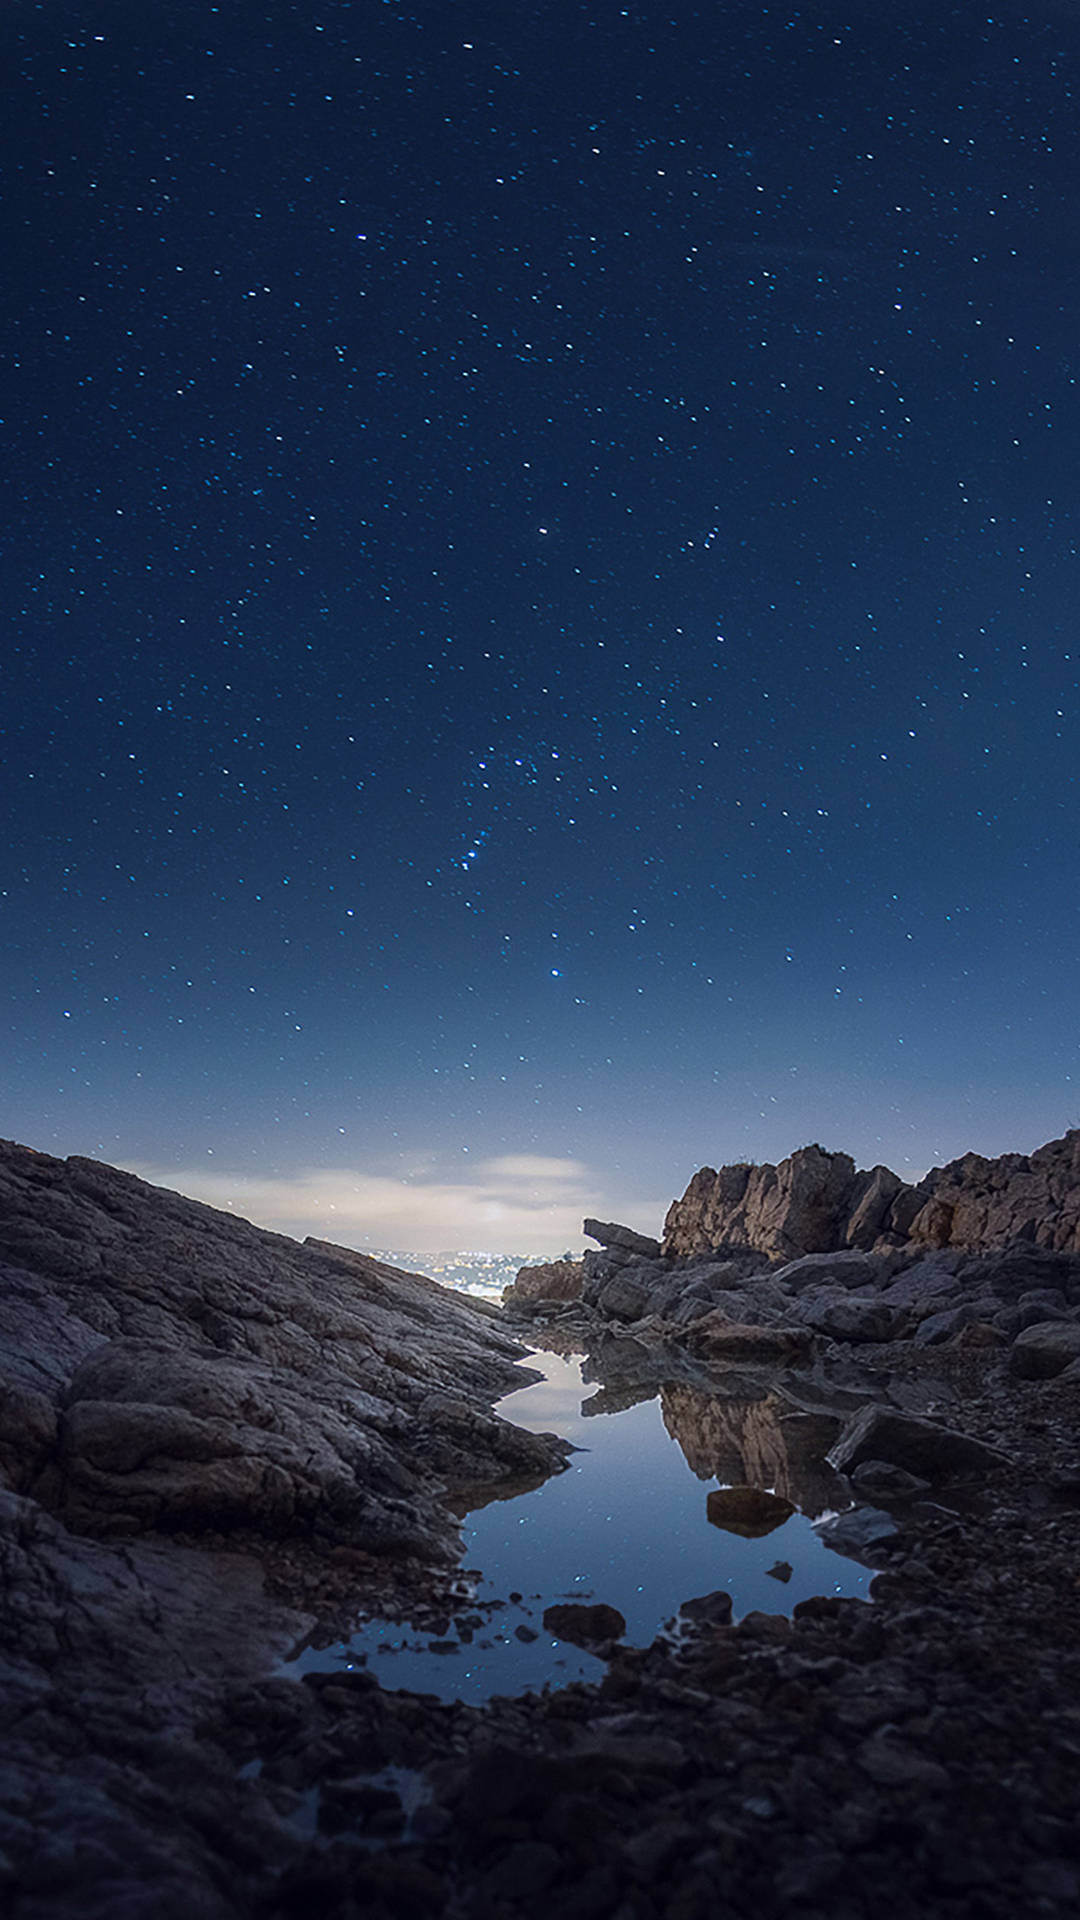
(165, 1369)
(166, 1365)
(215, 1442)
(816, 1202)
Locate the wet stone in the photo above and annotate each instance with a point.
(585, 1626)
(748, 1511)
(882, 1480)
(709, 1609)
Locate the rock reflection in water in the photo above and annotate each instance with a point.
(625, 1525)
(756, 1442)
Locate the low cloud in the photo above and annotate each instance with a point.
(514, 1203)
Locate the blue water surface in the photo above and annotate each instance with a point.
(626, 1524)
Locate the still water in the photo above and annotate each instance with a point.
(626, 1524)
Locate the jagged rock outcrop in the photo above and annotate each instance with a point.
(801, 1206)
(816, 1202)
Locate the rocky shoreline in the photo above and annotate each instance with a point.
(215, 1442)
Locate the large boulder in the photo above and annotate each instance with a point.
(1044, 1350)
(584, 1625)
(845, 1268)
(164, 1365)
(859, 1531)
(159, 1436)
(925, 1287)
(842, 1316)
(908, 1440)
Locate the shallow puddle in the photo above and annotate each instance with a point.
(625, 1524)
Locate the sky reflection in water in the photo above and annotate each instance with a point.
(626, 1523)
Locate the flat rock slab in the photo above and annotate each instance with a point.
(611, 1234)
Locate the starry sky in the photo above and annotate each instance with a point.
(539, 567)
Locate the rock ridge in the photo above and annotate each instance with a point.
(817, 1201)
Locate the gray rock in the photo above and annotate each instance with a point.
(891, 1762)
(849, 1319)
(1043, 1351)
(907, 1440)
(625, 1296)
(1028, 1313)
(924, 1288)
(1052, 1298)
(846, 1268)
(598, 1264)
(858, 1531)
(758, 1305)
(939, 1327)
(726, 1342)
(884, 1481)
(708, 1609)
(610, 1234)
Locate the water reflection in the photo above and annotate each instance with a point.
(761, 1442)
(627, 1524)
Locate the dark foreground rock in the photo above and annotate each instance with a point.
(208, 1436)
(585, 1626)
(919, 1756)
(215, 1442)
(165, 1365)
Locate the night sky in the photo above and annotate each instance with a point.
(539, 573)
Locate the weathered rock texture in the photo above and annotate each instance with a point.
(549, 1280)
(817, 1202)
(165, 1368)
(165, 1365)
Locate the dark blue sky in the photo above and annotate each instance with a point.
(539, 566)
